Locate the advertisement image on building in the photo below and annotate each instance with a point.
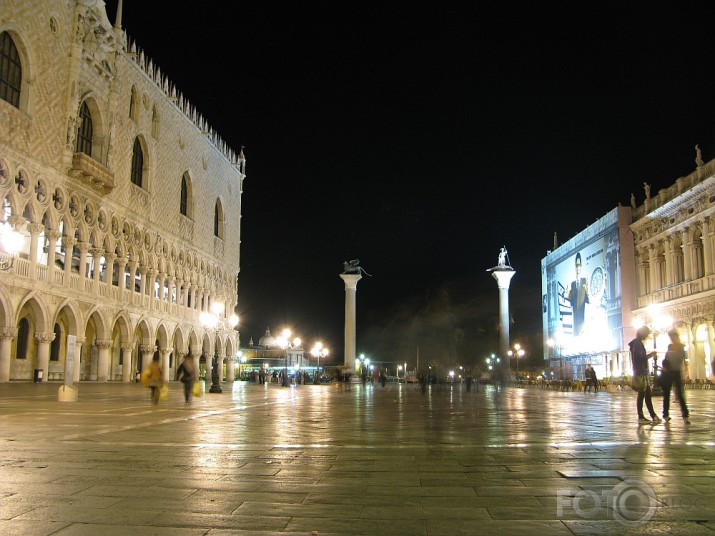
(583, 289)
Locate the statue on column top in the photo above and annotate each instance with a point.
(646, 189)
(353, 267)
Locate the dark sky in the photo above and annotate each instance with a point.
(420, 137)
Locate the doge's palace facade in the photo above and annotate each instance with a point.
(674, 239)
(127, 204)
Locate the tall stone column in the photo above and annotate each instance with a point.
(351, 281)
(503, 277)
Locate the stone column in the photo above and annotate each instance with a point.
(6, 336)
(83, 249)
(503, 279)
(68, 243)
(351, 281)
(196, 356)
(653, 268)
(35, 230)
(43, 351)
(687, 255)
(127, 369)
(707, 247)
(164, 353)
(230, 368)
(52, 237)
(147, 351)
(109, 274)
(96, 268)
(142, 283)
(669, 261)
(103, 347)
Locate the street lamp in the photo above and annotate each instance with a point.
(215, 324)
(286, 344)
(517, 352)
(11, 241)
(318, 351)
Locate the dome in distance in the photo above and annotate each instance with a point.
(267, 341)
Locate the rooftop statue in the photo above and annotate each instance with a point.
(698, 156)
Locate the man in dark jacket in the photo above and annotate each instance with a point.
(639, 358)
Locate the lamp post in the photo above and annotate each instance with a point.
(215, 324)
(11, 241)
(318, 351)
(516, 352)
(286, 344)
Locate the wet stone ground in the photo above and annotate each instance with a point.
(369, 460)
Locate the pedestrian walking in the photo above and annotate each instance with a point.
(672, 376)
(594, 379)
(588, 379)
(186, 374)
(641, 381)
(154, 378)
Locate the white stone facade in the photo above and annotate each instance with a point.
(126, 239)
(674, 236)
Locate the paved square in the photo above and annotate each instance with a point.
(369, 460)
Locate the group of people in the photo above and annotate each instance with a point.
(153, 377)
(670, 377)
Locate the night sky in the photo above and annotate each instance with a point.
(422, 137)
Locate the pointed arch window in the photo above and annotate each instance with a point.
(137, 164)
(84, 131)
(184, 201)
(23, 338)
(218, 220)
(56, 343)
(10, 71)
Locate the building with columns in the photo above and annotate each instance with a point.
(655, 267)
(126, 203)
(674, 237)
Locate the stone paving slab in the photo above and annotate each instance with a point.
(260, 460)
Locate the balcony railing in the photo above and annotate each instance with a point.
(677, 291)
(87, 169)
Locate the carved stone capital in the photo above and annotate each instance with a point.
(44, 337)
(103, 344)
(8, 333)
